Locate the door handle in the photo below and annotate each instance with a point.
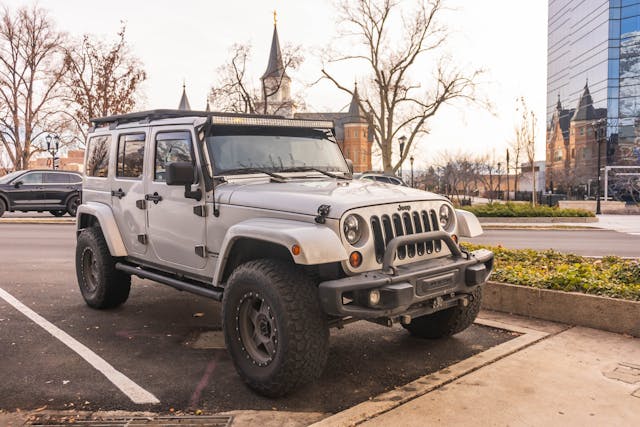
(155, 197)
(119, 193)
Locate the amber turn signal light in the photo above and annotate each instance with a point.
(295, 249)
(355, 259)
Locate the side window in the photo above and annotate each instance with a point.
(171, 147)
(382, 179)
(130, 155)
(32, 178)
(97, 163)
(75, 179)
(56, 178)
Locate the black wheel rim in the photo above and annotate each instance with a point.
(257, 329)
(89, 270)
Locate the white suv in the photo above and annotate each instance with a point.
(262, 214)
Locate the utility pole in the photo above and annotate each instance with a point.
(507, 174)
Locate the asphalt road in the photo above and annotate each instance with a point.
(150, 340)
(588, 242)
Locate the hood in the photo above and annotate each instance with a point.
(305, 196)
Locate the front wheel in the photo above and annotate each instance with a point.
(101, 285)
(275, 331)
(447, 322)
(3, 208)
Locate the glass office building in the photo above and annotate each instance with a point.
(594, 50)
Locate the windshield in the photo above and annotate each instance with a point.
(8, 177)
(274, 150)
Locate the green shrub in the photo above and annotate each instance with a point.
(609, 276)
(525, 210)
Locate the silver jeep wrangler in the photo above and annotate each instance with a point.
(262, 214)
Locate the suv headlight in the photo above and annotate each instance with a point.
(352, 229)
(446, 217)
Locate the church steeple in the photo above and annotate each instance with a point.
(275, 66)
(356, 115)
(585, 110)
(184, 101)
(559, 105)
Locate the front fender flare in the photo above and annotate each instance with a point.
(319, 244)
(108, 224)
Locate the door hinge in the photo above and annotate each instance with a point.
(200, 210)
(141, 204)
(142, 238)
(201, 251)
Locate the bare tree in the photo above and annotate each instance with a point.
(31, 69)
(518, 149)
(526, 137)
(461, 173)
(103, 79)
(397, 104)
(234, 90)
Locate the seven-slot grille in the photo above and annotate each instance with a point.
(385, 227)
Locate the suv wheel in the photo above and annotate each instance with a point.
(275, 331)
(446, 322)
(72, 205)
(101, 285)
(58, 213)
(3, 208)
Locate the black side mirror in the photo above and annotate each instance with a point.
(183, 173)
(17, 184)
(180, 173)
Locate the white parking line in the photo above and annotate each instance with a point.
(133, 391)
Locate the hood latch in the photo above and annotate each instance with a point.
(323, 211)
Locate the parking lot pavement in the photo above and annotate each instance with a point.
(153, 341)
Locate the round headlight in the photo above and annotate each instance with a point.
(446, 217)
(352, 229)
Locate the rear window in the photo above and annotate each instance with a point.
(97, 163)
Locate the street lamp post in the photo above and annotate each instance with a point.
(401, 142)
(600, 133)
(411, 161)
(499, 172)
(52, 148)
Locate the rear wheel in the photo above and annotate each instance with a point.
(101, 285)
(275, 331)
(447, 322)
(3, 208)
(58, 213)
(72, 205)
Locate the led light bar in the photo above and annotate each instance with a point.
(261, 121)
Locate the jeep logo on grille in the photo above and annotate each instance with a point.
(404, 207)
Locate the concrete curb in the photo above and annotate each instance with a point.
(392, 399)
(608, 314)
(536, 220)
(37, 221)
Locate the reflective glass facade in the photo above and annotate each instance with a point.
(598, 41)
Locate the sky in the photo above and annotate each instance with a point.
(187, 40)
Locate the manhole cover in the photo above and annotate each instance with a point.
(196, 421)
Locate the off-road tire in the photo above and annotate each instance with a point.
(101, 285)
(446, 322)
(300, 337)
(72, 205)
(3, 208)
(58, 212)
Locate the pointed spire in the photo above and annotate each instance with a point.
(585, 110)
(184, 101)
(356, 115)
(559, 104)
(208, 108)
(275, 67)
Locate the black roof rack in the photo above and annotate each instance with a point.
(150, 115)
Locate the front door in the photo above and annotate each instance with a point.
(127, 192)
(174, 230)
(28, 191)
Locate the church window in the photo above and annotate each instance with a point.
(581, 131)
(558, 155)
(355, 133)
(573, 153)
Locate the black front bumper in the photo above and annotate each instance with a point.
(425, 286)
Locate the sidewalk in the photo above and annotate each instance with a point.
(577, 377)
(622, 223)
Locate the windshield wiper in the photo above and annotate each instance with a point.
(276, 176)
(310, 169)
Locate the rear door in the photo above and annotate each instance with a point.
(175, 231)
(57, 186)
(127, 191)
